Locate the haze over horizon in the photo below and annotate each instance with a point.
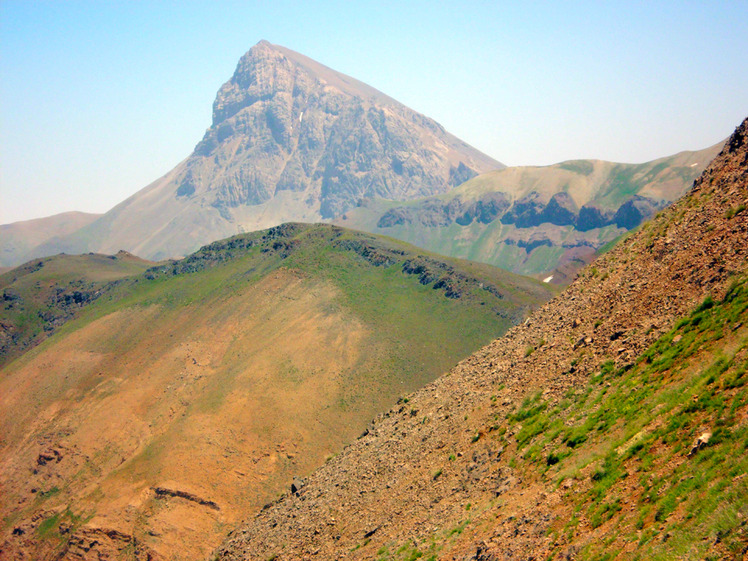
(99, 100)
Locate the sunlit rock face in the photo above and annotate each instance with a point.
(286, 123)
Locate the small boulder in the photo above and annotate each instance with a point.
(700, 443)
(296, 485)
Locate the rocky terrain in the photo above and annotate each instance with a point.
(539, 221)
(291, 140)
(145, 408)
(612, 423)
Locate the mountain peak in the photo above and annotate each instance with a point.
(267, 68)
(284, 122)
(291, 140)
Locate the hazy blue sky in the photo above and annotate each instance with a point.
(98, 99)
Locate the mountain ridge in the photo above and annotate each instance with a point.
(122, 431)
(537, 220)
(17, 239)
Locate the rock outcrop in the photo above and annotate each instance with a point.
(286, 123)
(578, 207)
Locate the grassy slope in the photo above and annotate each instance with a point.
(226, 375)
(626, 436)
(41, 295)
(612, 457)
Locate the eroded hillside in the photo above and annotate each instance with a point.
(612, 422)
(146, 426)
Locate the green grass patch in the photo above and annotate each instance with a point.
(639, 424)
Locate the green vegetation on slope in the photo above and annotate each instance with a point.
(660, 447)
(383, 281)
(650, 459)
(40, 296)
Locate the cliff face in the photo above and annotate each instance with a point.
(286, 123)
(291, 140)
(576, 431)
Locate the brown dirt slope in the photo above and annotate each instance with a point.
(446, 474)
(196, 391)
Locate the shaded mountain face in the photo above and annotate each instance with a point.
(537, 220)
(613, 422)
(170, 402)
(291, 140)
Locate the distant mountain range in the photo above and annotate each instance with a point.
(19, 240)
(536, 220)
(293, 140)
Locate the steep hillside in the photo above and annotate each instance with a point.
(291, 140)
(613, 422)
(535, 220)
(196, 391)
(19, 238)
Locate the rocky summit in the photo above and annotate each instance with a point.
(286, 123)
(611, 424)
(291, 140)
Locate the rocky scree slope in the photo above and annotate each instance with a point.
(464, 469)
(291, 140)
(190, 393)
(533, 220)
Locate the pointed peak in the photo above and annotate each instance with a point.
(262, 46)
(266, 53)
(264, 43)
